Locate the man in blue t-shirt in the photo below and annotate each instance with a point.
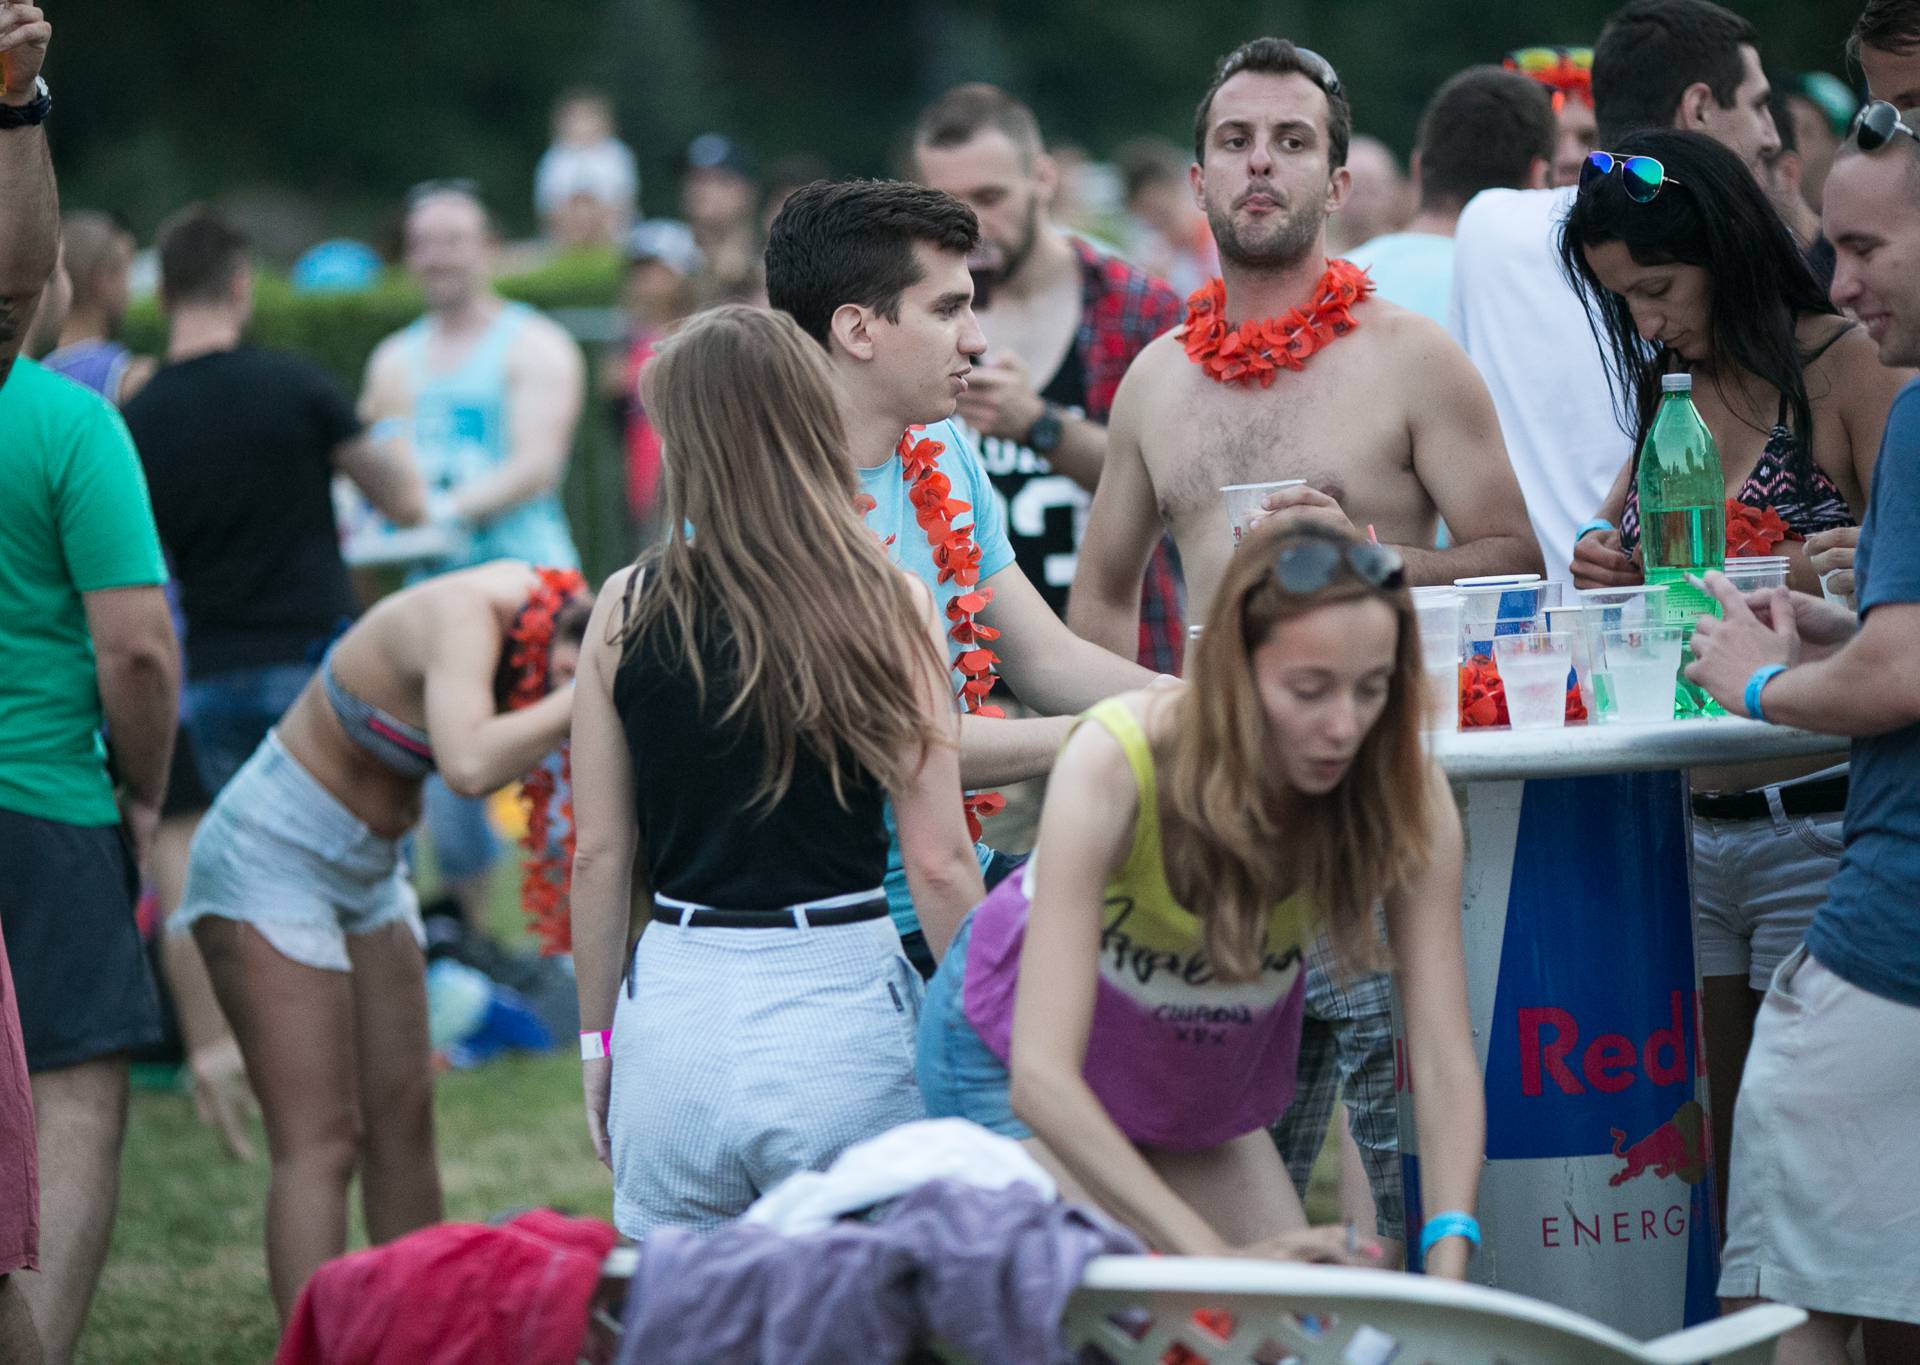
(876, 272)
(1825, 1194)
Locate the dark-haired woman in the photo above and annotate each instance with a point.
(1131, 1004)
(297, 891)
(751, 695)
(1684, 265)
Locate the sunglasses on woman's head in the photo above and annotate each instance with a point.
(1877, 125)
(1642, 176)
(1308, 565)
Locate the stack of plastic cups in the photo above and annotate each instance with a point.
(1438, 612)
(1758, 573)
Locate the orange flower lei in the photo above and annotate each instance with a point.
(1753, 530)
(957, 558)
(1260, 350)
(545, 876)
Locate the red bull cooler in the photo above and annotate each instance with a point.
(1597, 1192)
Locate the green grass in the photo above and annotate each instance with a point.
(186, 1281)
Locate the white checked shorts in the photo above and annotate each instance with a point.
(741, 1056)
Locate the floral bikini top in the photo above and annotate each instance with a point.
(1786, 479)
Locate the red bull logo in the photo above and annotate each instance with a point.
(1680, 1146)
(1608, 1062)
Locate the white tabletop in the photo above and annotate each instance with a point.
(1578, 750)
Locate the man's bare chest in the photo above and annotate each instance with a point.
(1336, 434)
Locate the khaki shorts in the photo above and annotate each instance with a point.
(1825, 1189)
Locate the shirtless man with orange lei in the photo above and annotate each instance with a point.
(1290, 368)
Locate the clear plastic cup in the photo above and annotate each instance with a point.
(1246, 501)
(1493, 607)
(1439, 620)
(1571, 620)
(1758, 572)
(1638, 670)
(1533, 670)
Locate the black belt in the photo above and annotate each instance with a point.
(789, 917)
(1828, 796)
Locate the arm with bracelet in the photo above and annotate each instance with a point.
(606, 840)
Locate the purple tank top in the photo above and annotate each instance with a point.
(1178, 1058)
(100, 365)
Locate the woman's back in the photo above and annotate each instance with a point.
(709, 839)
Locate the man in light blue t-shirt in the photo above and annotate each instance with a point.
(1824, 1194)
(1484, 129)
(876, 271)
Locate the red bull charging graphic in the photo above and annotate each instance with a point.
(1598, 1188)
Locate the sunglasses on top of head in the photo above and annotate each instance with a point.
(1878, 124)
(1642, 176)
(1309, 564)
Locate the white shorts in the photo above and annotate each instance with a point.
(280, 852)
(741, 1056)
(1757, 885)
(1825, 1207)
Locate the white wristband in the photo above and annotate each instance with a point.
(594, 1046)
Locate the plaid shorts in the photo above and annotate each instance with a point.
(1346, 1047)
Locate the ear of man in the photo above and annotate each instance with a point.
(852, 330)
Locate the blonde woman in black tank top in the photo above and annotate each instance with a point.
(750, 696)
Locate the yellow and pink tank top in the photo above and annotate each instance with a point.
(1179, 1058)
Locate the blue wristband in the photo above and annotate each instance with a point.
(1444, 1225)
(1757, 683)
(1597, 524)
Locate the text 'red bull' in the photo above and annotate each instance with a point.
(1609, 1062)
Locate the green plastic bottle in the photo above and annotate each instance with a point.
(1683, 516)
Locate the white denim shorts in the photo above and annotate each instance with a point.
(279, 852)
(1824, 1185)
(1756, 887)
(741, 1056)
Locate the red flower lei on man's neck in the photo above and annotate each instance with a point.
(545, 874)
(1260, 350)
(957, 559)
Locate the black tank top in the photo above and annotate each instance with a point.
(707, 840)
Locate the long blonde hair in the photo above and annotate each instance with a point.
(764, 539)
(1238, 839)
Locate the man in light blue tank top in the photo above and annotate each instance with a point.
(486, 393)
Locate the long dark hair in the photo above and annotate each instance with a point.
(1718, 218)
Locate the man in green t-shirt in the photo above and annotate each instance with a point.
(87, 642)
(29, 238)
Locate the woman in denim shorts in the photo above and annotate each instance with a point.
(297, 891)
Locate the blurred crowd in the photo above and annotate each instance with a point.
(1451, 365)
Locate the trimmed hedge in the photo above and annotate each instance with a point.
(341, 330)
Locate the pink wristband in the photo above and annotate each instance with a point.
(594, 1046)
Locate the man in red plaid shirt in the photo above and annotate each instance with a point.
(1063, 321)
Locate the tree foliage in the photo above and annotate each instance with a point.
(342, 106)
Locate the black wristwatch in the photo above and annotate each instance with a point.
(1044, 435)
(33, 112)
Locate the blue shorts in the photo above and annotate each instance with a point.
(959, 1075)
(230, 713)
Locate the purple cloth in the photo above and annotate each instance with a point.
(986, 1272)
